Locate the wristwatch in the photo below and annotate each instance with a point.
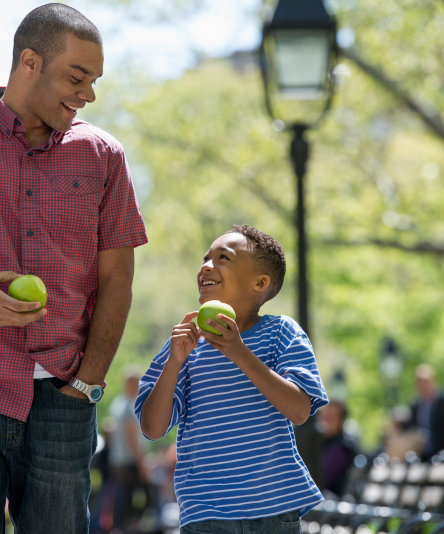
(94, 393)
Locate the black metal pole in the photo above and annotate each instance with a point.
(299, 156)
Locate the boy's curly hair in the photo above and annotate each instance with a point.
(268, 254)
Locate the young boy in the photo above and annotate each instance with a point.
(234, 398)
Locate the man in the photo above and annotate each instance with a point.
(428, 411)
(68, 215)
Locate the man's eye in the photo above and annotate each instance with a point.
(75, 79)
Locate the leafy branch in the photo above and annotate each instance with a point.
(422, 247)
(432, 120)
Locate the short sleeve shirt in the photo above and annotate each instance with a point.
(60, 204)
(236, 454)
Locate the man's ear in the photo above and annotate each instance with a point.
(262, 283)
(30, 63)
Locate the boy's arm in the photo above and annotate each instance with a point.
(288, 398)
(158, 407)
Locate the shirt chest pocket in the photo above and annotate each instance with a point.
(71, 206)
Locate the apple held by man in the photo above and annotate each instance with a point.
(29, 288)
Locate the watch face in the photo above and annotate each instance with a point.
(96, 394)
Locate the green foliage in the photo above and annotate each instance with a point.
(204, 156)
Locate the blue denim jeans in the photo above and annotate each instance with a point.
(44, 463)
(288, 523)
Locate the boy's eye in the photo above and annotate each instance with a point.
(224, 257)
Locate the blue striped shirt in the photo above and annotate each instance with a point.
(236, 454)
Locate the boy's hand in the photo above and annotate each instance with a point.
(184, 338)
(230, 342)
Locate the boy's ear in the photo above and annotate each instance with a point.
(262, 283)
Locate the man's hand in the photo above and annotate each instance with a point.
(230, 342)
(15, 312)
(184, 338)
(72, 392)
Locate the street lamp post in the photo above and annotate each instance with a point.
(298, 53)
(391, 366)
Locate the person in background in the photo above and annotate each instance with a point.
(339, 449)
(126, 454)
(398, 438)
(428, 411)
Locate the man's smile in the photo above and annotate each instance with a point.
(71, 109)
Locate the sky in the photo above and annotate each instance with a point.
(219, 28)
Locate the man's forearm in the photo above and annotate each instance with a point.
(107, 324)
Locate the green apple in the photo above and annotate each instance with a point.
(210, 310)
(29, 288)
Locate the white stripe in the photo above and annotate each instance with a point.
(232, 462)
(215, 484)
(247, 502)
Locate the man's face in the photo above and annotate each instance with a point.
(66, 84)
(425, 385)
(228, 271)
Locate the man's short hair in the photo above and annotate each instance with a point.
(45, 28)
(267, 253)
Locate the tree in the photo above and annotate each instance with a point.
(204, 156)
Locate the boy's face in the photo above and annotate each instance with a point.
(228, 271)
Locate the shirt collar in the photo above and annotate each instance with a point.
(7, 117)
(10, 123)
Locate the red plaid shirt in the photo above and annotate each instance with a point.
(61, 202)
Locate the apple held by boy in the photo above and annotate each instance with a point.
(211, 310)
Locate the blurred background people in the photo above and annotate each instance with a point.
(327, 449)
(399, 437)
(339, 448)
(126, 455)
(428, 411)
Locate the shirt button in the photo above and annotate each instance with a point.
(76, 184)
(8, 132)
(30, 154)
(29, 192)
(30, 233)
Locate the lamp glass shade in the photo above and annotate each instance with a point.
(301, 61)
(391, 367)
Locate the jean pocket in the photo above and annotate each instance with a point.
(288, 523)
(68, 398)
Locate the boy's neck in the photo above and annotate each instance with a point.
(246, 321)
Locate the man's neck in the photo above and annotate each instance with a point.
(36, 131)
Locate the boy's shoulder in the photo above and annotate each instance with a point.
(282, 323)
